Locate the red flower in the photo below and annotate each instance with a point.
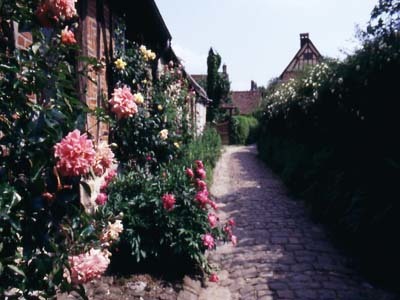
(212, 220)
(199, 164)
(168, 201)
(202, 198)
(101, 199)
(214, 278)
(201, 185)
(232, 222)
(189, 173)
(213, 205)
(201, 173)
(208, 241)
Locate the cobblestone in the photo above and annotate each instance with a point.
(281, 254)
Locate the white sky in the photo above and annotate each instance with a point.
(258, 38)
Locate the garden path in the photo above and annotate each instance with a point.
(281, 254)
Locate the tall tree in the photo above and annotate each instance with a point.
(218, 85)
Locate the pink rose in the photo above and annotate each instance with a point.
(212, 220)
(199, 164)
(214, 278)
(201, 185)
(208, 241)
(189, 173)
(123, 103)
(228, 230)
(232, 222)
(201, 173)
(168, 201)
(88, 266)
(110, 176)
(75, 154)
(213, 205)
(202, 198)
(101, 199)
(56, 9)
(104, 159)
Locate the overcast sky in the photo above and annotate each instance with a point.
(258, 38)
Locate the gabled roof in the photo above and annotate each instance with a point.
(299, 62)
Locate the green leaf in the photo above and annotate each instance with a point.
(16, 270)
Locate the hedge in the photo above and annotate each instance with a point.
(332, 136)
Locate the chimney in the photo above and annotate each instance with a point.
(304, 39)
(253, 86)
(224, 69)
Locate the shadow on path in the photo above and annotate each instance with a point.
(281, 254)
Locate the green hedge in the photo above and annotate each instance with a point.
(332, 135)
(243, 130)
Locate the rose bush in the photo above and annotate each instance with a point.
(50, 231)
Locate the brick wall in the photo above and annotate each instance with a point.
(95, 41)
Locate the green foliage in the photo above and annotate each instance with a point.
(331, 134)
(206, 148)
(244, 130)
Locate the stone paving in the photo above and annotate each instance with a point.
(281, 254)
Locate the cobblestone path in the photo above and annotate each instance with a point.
(281, 254)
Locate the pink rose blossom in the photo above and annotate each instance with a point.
(212, 220)
(202, 198)
(201, 173)
(75, 154)
(189, 173)
(199, 164)
(88, 266)
(56, 9)
(208, 241)
(168, 201)
(213, 205)
(231, 222)
(101, 199)
(123, 103)
(67, 37)
(110, 176)
(214, 278)
(201, 185)
(228, 230)
(104, 159)
(234, 240)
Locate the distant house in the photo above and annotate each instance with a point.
(247, 102)
(308, 55)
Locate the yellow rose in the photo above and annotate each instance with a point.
(138, 98)
(159, 107)
(120, 64)
(176, 144)
(163, 134)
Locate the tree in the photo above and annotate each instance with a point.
(218, 85)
